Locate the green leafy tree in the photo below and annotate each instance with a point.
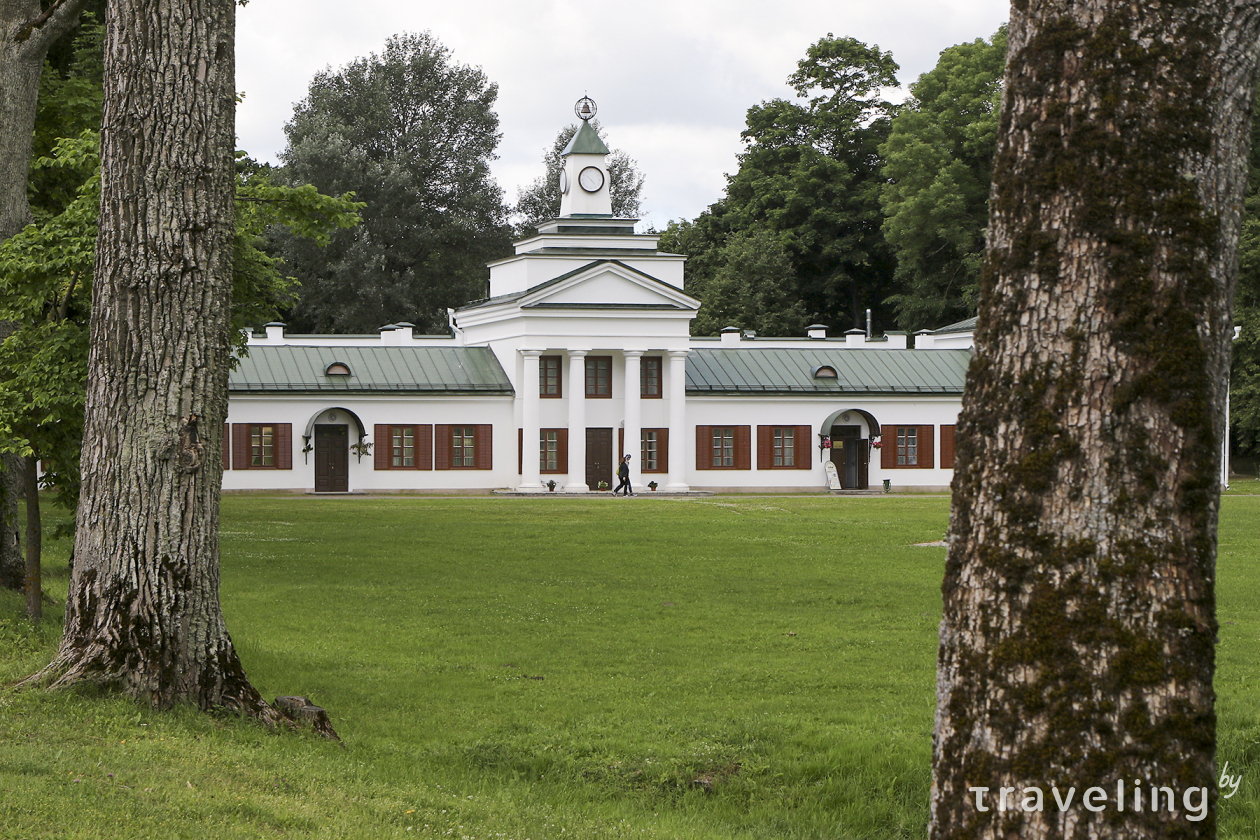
(540, 201)
(809, 176)
(40, 46)
(45, 295)
(750, 286)
(412, 134)
(938, 162)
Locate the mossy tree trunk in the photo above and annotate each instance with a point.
(1077, 643)
(26, 32)
(143, 613)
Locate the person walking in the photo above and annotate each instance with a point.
(623, 473)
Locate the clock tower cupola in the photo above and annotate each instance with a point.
(584, 178)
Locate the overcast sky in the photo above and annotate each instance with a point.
(673, 80)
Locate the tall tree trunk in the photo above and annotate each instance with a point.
(1077, 644)
(25, 35)
(143, 613)
(34, 543)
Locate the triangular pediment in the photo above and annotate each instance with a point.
(607, 284)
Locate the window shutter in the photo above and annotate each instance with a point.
(382, 447)
(520, 451)
(804, 447)
(442, 446)
(227, 447)
(927, 448)
(424, 446)
(662, 450)
(562, 450)
(704, 447)
(947, 447)
(284, 446)
(888, 454)
(621, 444)
(765, 447)
(240, 445)
(743, 447)
(483, 441)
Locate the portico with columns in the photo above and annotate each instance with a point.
(601, 307)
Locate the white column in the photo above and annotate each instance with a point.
(531, 481)
(634, 416)
(577, 423)
(678, 421)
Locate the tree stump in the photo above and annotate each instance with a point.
(300, 710)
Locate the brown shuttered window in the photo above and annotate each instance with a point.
(262, 446)
(723, 447)
(227, 447)
(650, 378)
(599, 377)
(654, 451)
(463, 447)
(553, 451)
(549, 378)
(907, 447)
(783, 448)
(403, 447)
(947, 447)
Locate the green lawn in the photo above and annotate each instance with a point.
(748, 667)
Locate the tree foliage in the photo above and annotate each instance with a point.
(937, 166)
(809, 177)
(45, 292)
(540, 201)
(411, 133)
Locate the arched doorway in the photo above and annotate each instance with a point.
(329, 432)
(851, 430)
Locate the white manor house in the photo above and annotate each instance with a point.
(580, 354)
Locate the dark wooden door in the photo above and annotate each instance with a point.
(850, 455)
(599, 457)
(332, 459)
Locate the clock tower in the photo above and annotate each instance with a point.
(584, 179)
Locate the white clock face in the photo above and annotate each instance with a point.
(564, 182)
(591, 179)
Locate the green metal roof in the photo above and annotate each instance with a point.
(585, 142)
(968, 325)
(373, 370)
(791, 371)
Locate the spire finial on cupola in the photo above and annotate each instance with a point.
(584, 179)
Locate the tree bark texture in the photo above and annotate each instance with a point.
(33, 583)
(25, 35)
(143, 613)
(1078, 637)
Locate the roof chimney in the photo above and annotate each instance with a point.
(816, 331)
(730, 336)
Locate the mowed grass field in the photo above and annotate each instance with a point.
(730, 667)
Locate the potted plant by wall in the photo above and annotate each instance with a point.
(652, 485)
(551, 485)
(603, 485)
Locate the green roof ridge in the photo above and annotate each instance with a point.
(585, 142)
